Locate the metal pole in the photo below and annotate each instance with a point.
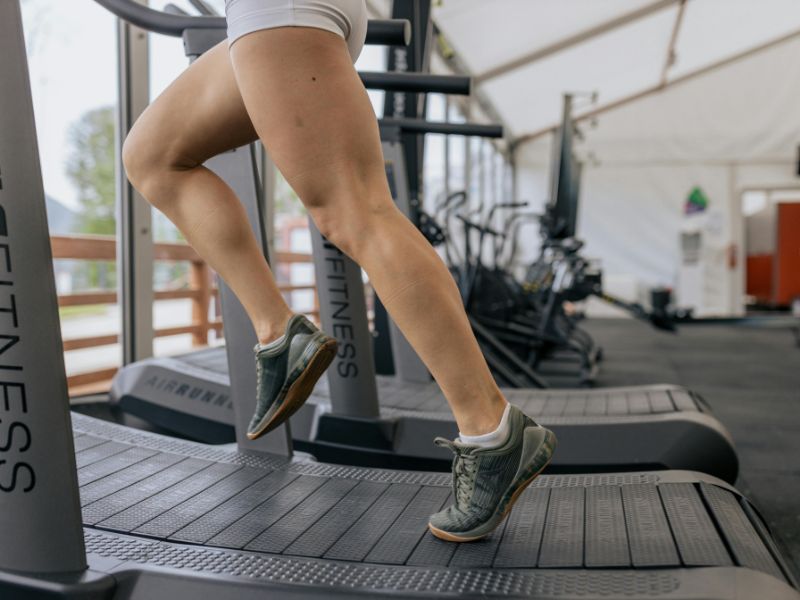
(40, 515)
(482, 195)
(513, 173)
(239, 169)
(343, 313)
(267, 172)
(467, 154)
(446, 149)
(134, 231)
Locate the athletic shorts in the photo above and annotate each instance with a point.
(346, 18)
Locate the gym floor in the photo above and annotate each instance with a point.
(750, 377)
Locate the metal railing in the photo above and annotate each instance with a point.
(201, 290)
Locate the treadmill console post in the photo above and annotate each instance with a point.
(40, 516)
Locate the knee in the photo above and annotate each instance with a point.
(138, 158)
(354, 230)
(149, 162)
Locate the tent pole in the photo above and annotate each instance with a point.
(669, 60)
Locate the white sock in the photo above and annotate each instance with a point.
(493, 438)
(271, 345)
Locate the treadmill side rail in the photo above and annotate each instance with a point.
(40, 521)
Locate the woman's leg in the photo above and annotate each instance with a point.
(311, 111)
(198, 116)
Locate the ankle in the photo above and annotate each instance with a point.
(484, 421)
(269, 331)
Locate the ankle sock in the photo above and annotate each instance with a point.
(276, 342)
(271, 345)
(491, 439)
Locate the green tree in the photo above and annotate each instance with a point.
(91, 168)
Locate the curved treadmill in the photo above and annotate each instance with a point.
(624, 428)
(169, 518)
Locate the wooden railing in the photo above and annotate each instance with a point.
(201, 291)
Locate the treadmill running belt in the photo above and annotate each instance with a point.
(654, 427)
(426, 397)
(213, 359)
(142, 484)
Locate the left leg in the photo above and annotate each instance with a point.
(201, 115)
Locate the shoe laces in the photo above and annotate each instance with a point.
(465, 467)
(259, 376)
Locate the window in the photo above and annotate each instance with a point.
(73, 81)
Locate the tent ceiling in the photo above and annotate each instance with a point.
(526, 53)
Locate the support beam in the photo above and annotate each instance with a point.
(669, 60)
(574, 40)
(134, 215)
(528, 137)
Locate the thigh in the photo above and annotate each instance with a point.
(201, 114)
(310, 109)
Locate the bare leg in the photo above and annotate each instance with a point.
(199, 116)
(313, 114)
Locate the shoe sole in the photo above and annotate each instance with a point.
(451, 537)
(300, 390)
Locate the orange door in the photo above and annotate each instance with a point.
(787, 268)
(759, 277)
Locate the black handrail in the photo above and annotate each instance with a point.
(423, 126)
(416, 82)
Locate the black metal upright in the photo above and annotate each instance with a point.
(415, 57)
(411, 58)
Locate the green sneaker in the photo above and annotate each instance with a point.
(287, 371)
(487, 481)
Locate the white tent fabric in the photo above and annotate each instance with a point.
(525, 54)
(690, 93)
(733, 129)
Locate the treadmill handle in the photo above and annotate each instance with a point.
(424, 83)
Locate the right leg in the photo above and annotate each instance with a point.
(200, 115)
(314, 116)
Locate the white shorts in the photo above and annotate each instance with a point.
(347, 18)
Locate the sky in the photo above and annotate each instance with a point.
(72, 59)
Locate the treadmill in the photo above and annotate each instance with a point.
(94, 510)
(356, 418)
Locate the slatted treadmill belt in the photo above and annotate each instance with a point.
(545, 403)
(213, 359)
(377, 517)
(537, 403)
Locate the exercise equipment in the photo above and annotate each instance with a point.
(158, 517)
(536, 318)
(354, 418)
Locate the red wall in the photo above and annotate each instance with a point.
(759, 277)
(788, 253)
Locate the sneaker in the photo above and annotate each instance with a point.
(287, 371)
(487, 481)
